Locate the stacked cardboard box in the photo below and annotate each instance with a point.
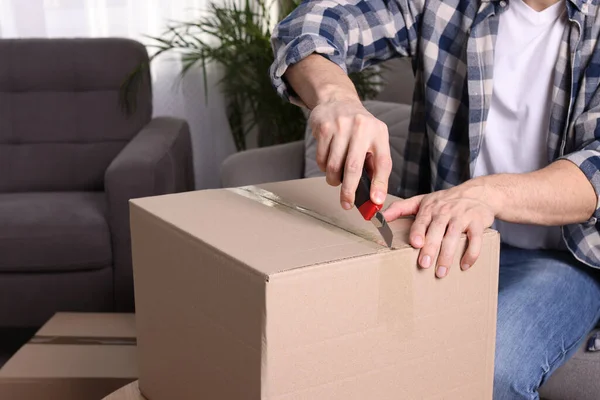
(74, 356)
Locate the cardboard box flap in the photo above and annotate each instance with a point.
(283, 232)
(308, 194)
(100, 325)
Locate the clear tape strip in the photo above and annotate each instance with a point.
(271, 199)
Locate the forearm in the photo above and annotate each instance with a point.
(317, 80)
(353, 35)
(559, 194)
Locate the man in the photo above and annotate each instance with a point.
(504, 133)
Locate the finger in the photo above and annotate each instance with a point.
(355, 160)
(419, 228)
(475, 239)
(449, 245)
(357, 146)
(323, 133)
(402, 208)
(382, 166)
(433, 240)
(370, 164)
(336, 158)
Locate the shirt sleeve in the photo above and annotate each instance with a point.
(587, 156)
(354, 34)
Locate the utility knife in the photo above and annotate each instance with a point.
(371, 211)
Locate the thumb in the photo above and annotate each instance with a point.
(402, 208)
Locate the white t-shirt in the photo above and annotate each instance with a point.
(517, 127)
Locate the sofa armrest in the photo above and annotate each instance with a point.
(266, 164)
(158, 160)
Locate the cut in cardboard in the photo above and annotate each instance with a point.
(275, 292)
(74, 356)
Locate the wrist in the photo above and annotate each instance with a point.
(494, 195)
(316, 80)
(332, 93)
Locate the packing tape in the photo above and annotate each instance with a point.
(84, 340)
(271, 199)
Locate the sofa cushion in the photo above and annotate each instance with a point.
(395, 115)
(55, 231)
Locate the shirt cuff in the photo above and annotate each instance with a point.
(588, 161)
(294, 51)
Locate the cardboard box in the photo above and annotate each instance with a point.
(74, 356)
(275, 292)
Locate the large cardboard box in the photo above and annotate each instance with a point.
(74, 356)
(275, 292)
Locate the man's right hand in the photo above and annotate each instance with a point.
(348, 136)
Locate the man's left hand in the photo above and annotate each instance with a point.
(440, 220)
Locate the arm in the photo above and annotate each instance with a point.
(564, 193)
(316, 80)
(352, 34)
(315, 47)
(559, 194)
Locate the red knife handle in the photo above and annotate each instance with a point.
(362, 197)
(368, 210)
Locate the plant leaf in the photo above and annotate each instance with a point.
(236, 36)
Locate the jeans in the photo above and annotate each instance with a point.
(547, 304)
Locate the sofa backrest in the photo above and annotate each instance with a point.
(398, 81)
(61, 123)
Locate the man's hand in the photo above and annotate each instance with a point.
(347, 137)
(347, 134)
(441, 218)
(532, 198)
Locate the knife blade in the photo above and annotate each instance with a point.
(369, 210)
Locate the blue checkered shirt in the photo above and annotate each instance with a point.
(451, 43)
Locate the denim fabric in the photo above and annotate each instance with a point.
(547, 304)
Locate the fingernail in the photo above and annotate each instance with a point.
(441, 272)
(418, 241)
(378, 197)
(465, 267)
(425, 262)
(346, 205)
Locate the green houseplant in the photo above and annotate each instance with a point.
(235, 34)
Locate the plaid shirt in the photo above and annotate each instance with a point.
(451, 43)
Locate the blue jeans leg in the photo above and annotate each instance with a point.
(547, 304)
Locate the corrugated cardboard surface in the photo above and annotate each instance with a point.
(73, 356)
(282, 295)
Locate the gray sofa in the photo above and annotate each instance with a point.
(70, 160)
(579, 379)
